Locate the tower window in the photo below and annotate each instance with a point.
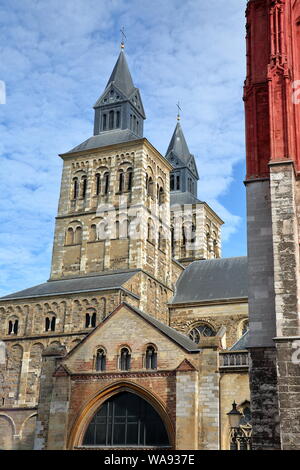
(106, 183)
(101, 360)
(129, 179)
(118, 120)
(121, 181)
(161, 196)
(104, 126)
(178, 182)
(78, 236)
(84, 186)
(151, 358)
(172, 183)
(70, 236)
(111, 120)
(98, 184)
(75, 188)
(125, 359)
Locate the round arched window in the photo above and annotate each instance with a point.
(201, 330)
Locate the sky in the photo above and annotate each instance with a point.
(55, 60)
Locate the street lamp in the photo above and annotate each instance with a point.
(240, 438)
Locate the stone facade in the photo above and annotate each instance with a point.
(115, 269)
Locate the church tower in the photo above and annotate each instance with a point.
(196, 228)
(272, 108)
(114, 207)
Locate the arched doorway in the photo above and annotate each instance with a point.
(126, 420)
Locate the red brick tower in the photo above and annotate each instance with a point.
(272, 105)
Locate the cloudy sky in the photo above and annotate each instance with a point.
(55, 59)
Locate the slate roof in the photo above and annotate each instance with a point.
(182, 198)
(179, 338)
(178, 145)
(69, 286)
(242, 343)
(121, 76)
(117, 136)
(217, 279)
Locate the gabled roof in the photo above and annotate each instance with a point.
(215, 279)
(180, 339)
(69, 286)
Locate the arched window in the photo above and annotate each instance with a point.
(106, 182)
(151, 358)
(150, 187)
(123, 229)
(84, 186)
(111, 120)
(70, 236)
(75, 188)
(50, 323)
(129, 178)
(90, 320)
(201, 330)
(93, 233)
(13, 326)
(150, 234)
(133, 422)
(173, 241)
(78, 236)
(98, 184)
(121, 181)
(161, 196)
(125, 359)
(183, 236)
(161, 239)
(101, 360)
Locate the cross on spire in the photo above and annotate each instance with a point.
(123, 37)
(179, 109)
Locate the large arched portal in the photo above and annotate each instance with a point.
(126, 420)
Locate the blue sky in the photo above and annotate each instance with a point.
(56, 58)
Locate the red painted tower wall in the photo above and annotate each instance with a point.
(271, 90)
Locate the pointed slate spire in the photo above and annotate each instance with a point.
(120, 106)
(178, 145)
(184, 177)
(121, 76)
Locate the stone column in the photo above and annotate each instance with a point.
(49, 364)
(186, 407)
